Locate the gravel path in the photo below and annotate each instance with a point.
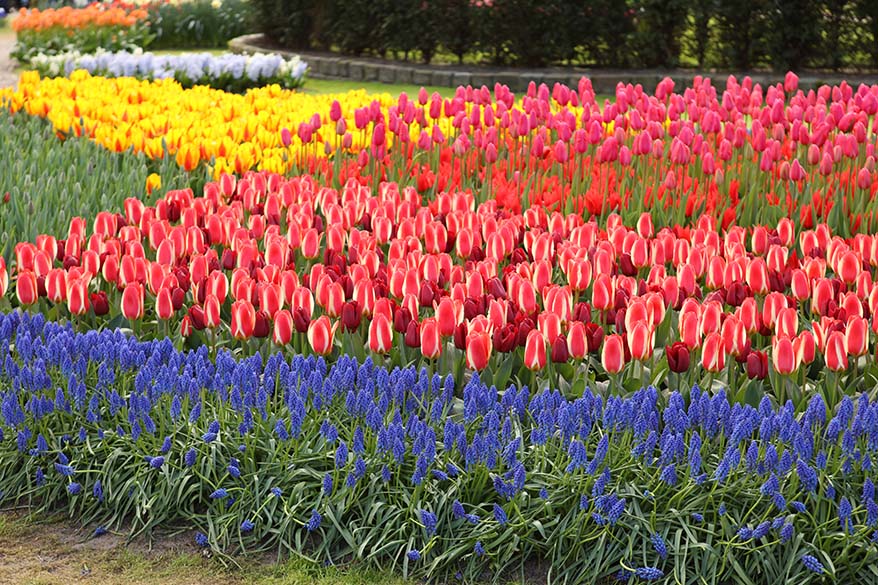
(8, 77)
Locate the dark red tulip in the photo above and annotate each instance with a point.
(757, 365)
(413, 334)
(505, 338)
(196, 315)
(351, 316)
(595, 337)
(262, 328)
(560, 353)
(301, 319)
(678, 357)
(100, 303)
(401, 319)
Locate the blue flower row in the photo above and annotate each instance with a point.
(411, 469)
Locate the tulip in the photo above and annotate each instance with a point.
(577, 343)
(132, 301)
(380, 334)
(560, 354)
(412, 336)
(26, 288)
(478, 349)
(211, 312)
(678, 357)
(186, 326)
(857, 336)
(641, 340)
(757, 365)
(320, 335)
(783, 356)
(836, 352)
(431, 339)
(535, 351)
(262, 325)
(77, 296)
(283, 327)
(100, 304)
(351, 316)
(164, 305)
(713, 354)
(243, 319)
(594, 335)
(613, 354)
(4, 277)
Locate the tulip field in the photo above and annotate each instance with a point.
(625, 339)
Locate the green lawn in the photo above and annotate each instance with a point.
(324, 86)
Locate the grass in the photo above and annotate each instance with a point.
(53, 552)
(324, 86)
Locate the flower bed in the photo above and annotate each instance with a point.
(228, 72)
(634, 340)
(746, 156)
(536, 297)
(52, 31)
(114, 26)
(400, 469)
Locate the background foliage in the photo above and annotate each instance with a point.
(739, 34)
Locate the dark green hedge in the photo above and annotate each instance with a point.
(735, 34)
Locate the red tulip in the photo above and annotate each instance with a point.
(431, 340)
(320, 335)
(77, 296)
(448, 315)
(713, 354)
(757, 365)
(380, 334)
(849, 267)
(613, 354)
(641, 340)
(595, 337)
(577, 343)
(301, 320)
(4, 277)
(311, 244)
(560, 353)
(857, 336)
(186, 326)
(478, 349)
(678, 357)
(211, 312)
(783, 356)
(351, 316)
(806, 347)
(56, 285)
(100, 304)
(164, 305)
(243, 319)
(132, 301)
(283, 327)
(26, 288)
(535, 351)
(262, 325)
(836, 352)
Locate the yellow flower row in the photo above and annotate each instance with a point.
(231, 132)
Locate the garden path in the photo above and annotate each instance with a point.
(8, 76)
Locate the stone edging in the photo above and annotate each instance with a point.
(334, 66)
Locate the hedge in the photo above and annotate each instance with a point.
(730, 34)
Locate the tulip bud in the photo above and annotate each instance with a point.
(132, 301)
(431, 340)
(320, 335)
(380, 334)
(613, 354)
(478, 350)
(283, 327)
(535, 351)
(100, 304)
(678, 357)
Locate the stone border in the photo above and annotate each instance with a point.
(335, 66)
